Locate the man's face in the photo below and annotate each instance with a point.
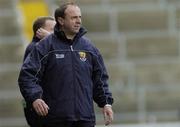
(71, 23)
(49, 25)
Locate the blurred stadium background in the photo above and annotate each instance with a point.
(140, 42)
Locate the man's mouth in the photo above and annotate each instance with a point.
(77, 26)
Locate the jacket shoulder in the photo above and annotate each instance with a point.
(28, 49)
(90, 45)
(44, 45)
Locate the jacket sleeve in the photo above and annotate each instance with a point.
(30, 76)
(101, 93)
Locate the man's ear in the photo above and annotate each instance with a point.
(61, 21)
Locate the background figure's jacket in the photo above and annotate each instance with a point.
(31, 116)
(67, 75)
(30, 46)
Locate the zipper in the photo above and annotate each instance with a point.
(75, 89)
(71, 48)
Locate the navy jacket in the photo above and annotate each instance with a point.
(30, 46)
(68, 75)
(31, 116)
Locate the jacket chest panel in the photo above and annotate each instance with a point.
(62, 59)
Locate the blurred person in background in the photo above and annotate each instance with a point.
(42, 27)
(64, 73)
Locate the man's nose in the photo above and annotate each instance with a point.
(78, 20)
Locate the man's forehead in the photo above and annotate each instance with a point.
(72, 8)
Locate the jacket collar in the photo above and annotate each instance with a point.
(35, 39)
(61, 35)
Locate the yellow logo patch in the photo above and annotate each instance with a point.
(82, 56)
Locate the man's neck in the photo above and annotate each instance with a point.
(70, 37)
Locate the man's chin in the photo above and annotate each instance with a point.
(76, 31)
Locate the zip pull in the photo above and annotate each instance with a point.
(71, 48)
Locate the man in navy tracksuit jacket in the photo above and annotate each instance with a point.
(64, 74)
(42, 27)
